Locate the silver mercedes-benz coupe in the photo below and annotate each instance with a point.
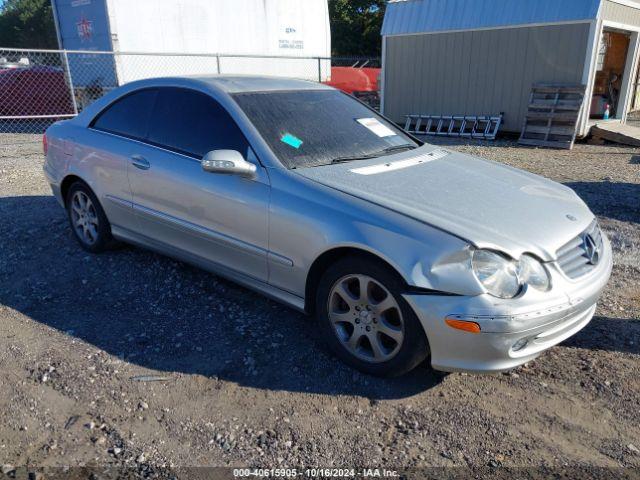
(400, 249)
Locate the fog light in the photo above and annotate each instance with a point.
(520, 344)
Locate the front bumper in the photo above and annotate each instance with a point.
(541, 319)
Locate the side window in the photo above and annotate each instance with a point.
(193, 123)
(128, 116)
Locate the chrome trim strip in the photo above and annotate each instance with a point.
(120, 201)
(252, 283)
(141, 142)
(275, 258)
(566, 310)
(202, 231)
(205, 232)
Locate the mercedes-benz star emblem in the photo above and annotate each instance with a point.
(591, 250)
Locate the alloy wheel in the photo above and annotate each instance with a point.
(84, 218)
(366, 318)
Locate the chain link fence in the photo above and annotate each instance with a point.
(39, 87)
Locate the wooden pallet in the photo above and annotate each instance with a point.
(552, 116)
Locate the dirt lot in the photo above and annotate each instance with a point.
(243, 381)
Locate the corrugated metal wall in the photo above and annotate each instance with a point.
(419, 16)
(616, 12)
(480, 72)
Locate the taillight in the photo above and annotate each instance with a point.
(45, 144)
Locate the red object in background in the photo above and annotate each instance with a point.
(354, 80)
(34, 90)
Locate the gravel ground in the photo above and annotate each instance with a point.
(634, 119)
(130, 359)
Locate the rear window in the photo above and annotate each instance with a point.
(307, 128)
(128, 116)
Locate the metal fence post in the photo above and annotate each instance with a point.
(319, 70)
(218, 60)
(73, 92)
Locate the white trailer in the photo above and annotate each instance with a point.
(185, 37)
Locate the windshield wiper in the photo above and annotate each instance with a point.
(381, 153)
(354, 157)
(396, 148)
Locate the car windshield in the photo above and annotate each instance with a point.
(308, 128)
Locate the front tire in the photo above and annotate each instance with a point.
(366, 322)
(87, 219)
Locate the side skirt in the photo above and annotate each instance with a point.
(259, 286)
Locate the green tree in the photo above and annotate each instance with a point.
(355, 27)
(27, 24)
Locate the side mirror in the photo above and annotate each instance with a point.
(229, 162)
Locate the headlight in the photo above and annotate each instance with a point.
(503, 277)
(497, 274)
(533, 273)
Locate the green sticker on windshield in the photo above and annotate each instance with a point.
(291, 140)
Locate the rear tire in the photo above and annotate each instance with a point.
(87, 219)
(366, 322)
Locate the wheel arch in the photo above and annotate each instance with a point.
(66, 183)
(328, 258)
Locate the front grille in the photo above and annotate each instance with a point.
(574, 259)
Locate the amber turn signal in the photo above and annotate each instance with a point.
(463, 325)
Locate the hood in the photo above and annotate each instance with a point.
(486, 203)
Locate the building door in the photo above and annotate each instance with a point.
(611, 67)
(635, 92)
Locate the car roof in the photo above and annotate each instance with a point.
(255, 83)
(226, 85)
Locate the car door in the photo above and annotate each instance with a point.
(108, 145)
(216, 217)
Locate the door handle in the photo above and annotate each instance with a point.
(140, 162)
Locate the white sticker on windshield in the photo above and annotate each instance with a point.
(376, 127)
